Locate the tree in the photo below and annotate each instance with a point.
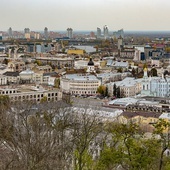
(36, 136)
(5, 61)
(57, 83)
(118, 92)
(120, 70)
(162, 129)
(127, 149)
(85, 131)
(114, 90)
(153, 72)
(101, 89)
(133, 72)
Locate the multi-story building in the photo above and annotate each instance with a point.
(28, 93)
(128, 86)
(127, 53)
(27, 33)
(46, 33)
(57, 62)
(80, 84)
(106, 31)
(119, 43)
(3, 80)
(99, 33)
(10, 34)
(119, 33)
(12, 77)
(26, 30)
(16, 66)
(70, 32)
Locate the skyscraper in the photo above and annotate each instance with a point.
(119, 33)
(26, 30)
(0, 36)
(99, 32)
(27, 33)
(10, 32)
(106, 31)
(46, 33)
(70, 32)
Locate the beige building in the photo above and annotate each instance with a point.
(128, 87)
(79, 84)
(16, 66)
(58, 62)
(3, 80)
(31, 93)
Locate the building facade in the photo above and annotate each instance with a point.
(79, 84)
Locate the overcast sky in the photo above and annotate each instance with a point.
(85, 14)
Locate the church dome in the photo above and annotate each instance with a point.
(90, 63)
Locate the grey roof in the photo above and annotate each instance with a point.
(80, 77)
(50, 74)
(109, 62)
(10, 73)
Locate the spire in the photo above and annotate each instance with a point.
(145, 73)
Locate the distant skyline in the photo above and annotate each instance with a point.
(138, 15)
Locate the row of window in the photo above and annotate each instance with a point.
(83, 92)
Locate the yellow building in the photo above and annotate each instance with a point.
(144, 119)
(75, 51)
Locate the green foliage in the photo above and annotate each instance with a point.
(4, 102)
(44, 99)
(120, 70)
(102, 90)
(86, 160)
(57, 83)
(153, 72)
(39, 63)
(5, 61)
(129, 149)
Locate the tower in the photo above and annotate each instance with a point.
(10, 32)
(98, 32)
(106, 31)
(90, 66)
(27, 33)
(70, 32)
(46, 33)
(119, 42)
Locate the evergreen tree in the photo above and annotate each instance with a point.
(114, 90)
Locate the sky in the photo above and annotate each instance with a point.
(138, 15)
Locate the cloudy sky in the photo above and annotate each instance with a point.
(85, 14)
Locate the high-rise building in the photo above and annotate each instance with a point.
(26, 30)
(106, 31)
(46, 33)
(0, 36)
(120, 43)
(119, 33)
(10, 34)
(99, 33)
(70, 32)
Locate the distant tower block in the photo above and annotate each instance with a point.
(106, 31)
(99, 33)
(46, 33)
(120, 43)
(70, 32)
(10, 32)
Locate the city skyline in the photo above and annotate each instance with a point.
(87, 15)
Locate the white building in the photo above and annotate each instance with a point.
(79, 84)
(3, 80)
(128, 86)
(155, 86)
(31, 93)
